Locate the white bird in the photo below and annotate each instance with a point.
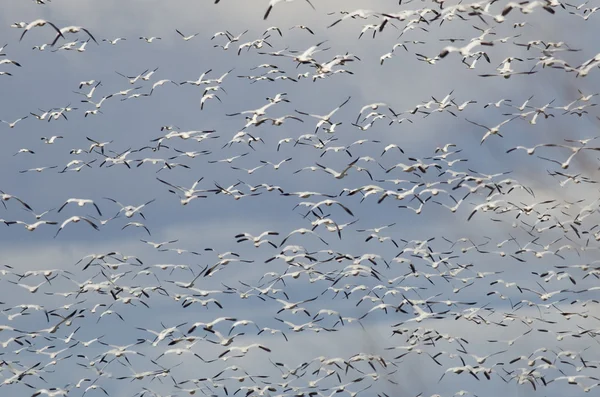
(114, 41)
(134, 96)
(9, 61)
(96, 144)
(249, 171)
(303, 27)
(99, 104)
(159, 245)
(82, 46)
(329, 203)
(244, 349)
(147, 76)
(38, 169)
(572, 379)
(40, 23)
(206, 97)
(53, 392)
(280, 120)
(14, 123)
(276, 165)
(86, 83)
(326, 119)
(162, 335)
(90, 94)
(5, 197)
(361, 13)
(531, 150)
(466, 50)
(133, 79)
(257, 240)
(186, 38)
(126, 92)
(487, 206)
(71, 29)
(273, 3)
(149, 39)
(458, 203)
(24, 150)
(256, 112)
(223, 341)
(130, 210)
(302, 231)
(306, 57)
(75, 219)
(338, 175)
(200, 80)
(463, 106)
(491, 131)
(80, 203)
(92, 112)
(52, 139)
(161, 82)
(527, 7)
(31, 227)
(137, 224)
(95, 387)
(210, 325)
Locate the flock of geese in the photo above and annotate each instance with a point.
(346, 253)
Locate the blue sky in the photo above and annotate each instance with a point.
(47, 80)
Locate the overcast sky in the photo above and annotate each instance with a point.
(48, 80)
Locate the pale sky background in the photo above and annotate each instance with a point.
(46, 80)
